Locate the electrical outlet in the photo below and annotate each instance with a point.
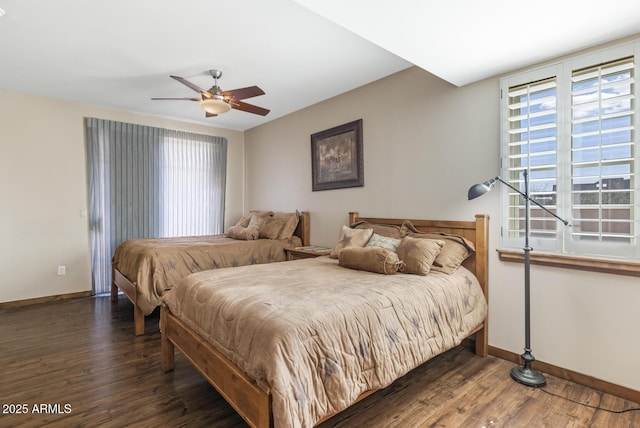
(62, 270)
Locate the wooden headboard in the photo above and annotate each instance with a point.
(475, 231)
(303, 228)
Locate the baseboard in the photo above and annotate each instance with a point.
(45, 299)
(582, 379)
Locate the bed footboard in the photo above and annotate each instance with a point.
(251, 402)
(119, 281)
(239, 390)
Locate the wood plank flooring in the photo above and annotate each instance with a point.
(78, 362)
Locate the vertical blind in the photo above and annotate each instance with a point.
(147, 182)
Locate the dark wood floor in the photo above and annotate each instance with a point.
(78, 362)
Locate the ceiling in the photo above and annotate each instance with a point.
(463, 41)
(120, 53)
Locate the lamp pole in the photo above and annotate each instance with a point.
(523, 374)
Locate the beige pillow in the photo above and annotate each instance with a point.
(371, 259)
(256, 222)
(271, 228)
(290, 224)
(389, 230)
(351, 238)
(456, 249)
(243, 233)
(418, 254)
(407, 227)
(244, 221)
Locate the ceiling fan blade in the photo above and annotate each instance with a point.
(243, 93)
(249, 108)
(192, 86)
(185, 99)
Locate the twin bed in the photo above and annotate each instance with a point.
(294, 343)
(143, 269)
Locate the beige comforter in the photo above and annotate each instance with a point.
(155, 265)
(320, 334)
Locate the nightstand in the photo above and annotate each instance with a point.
(306, 252)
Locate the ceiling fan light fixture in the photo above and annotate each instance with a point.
(215, 101)
(215, 106)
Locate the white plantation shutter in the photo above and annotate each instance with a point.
(572, 126)
(603, 152)
(532, 146)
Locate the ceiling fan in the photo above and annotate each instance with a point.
(215, 101)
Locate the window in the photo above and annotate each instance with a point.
(572, 127)
(147, 182)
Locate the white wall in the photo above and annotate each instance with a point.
(43, 190)
(425, 143)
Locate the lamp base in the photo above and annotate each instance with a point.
(528, 376)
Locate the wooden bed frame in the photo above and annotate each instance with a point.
(129, 289)
(246, 397)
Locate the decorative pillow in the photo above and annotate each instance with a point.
(244, 221)
(351, 238)
(389, 230)
(243, 233)
(383, 242)
(271, 228)
(407, 227)
(371, 259)
(455, 251)
(418, 254)
(256, 222)
(290, 224)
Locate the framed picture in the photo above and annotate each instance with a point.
(336, 157)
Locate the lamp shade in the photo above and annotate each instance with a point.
(215, 106)
(478, 190)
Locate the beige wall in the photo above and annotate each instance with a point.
(43, 190)
(425, 143)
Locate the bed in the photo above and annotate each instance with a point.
(143, 269)
(314, 378)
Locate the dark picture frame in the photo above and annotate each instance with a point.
(336, 157)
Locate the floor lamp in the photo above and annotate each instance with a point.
(523, 374)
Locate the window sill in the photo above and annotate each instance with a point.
(617, 267)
